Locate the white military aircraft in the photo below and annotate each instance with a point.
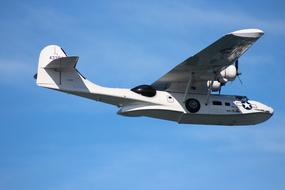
(184, 94)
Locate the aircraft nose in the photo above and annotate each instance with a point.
(270, 110)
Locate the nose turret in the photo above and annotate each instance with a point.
(261, 109)
(270, 110)
(264, 108)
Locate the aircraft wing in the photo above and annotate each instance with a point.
(205, 65)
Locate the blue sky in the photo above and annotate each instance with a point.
(51, 140)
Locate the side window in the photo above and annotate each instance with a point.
(227, 104)
(217, 103)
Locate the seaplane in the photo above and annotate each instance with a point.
(190, 93)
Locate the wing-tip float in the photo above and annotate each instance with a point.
(251, 33)
(184, 94)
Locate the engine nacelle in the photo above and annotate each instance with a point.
(216, 86)
(228, 74)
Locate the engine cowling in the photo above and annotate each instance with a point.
(228, 74)
(216, 86)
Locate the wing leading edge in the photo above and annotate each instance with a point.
(205, 65)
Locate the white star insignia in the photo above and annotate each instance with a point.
(246, 105)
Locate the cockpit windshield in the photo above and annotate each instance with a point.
(241, 98)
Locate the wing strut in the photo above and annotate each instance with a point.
(209, 92)
(188, 86)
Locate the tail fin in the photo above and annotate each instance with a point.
(57, 71)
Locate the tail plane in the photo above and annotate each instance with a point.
(56, 70)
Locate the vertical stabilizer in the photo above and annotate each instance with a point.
(56, 70)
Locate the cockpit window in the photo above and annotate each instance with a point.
(242, 98)
(145, 90)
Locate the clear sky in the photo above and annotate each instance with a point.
(54, 141)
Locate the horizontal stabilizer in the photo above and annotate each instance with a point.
(63, 63)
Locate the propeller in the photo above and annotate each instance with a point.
(239, 79)
(222, 84)
(238, 73)
(238, 76)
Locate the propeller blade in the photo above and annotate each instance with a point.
(222, 84)
(236, 65)
(240, 80)
(238, 73)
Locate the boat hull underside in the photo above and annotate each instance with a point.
(205, 119)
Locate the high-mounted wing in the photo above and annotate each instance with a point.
(207, 64)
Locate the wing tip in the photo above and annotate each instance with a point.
(249, 33)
